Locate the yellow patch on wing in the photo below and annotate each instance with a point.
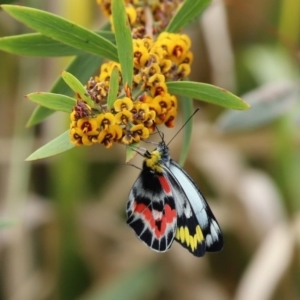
(185, 237)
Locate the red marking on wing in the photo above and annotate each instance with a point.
(165, 184)
(158, 225)
(170, 214)
(146, 212)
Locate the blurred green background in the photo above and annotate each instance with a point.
(63, 232)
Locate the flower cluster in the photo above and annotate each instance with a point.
(134, 115)
(161, 12)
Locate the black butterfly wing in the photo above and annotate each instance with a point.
(209, 226)
(151, 210)
(188, 232)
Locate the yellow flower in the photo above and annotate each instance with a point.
(170, 117)
(73, 124)
(118, 132)
(124, 117)
(88, 140)
(137, 79)
(151, 82)
(174, 102)
(124, 103)
(131, 14)
(140, 54)
(147, 42)
(185, 38)
(188, 58)
(73, 116)
(76, 136)
(159, 89)
(139, 132)
(85, 132)
(150, 122)
(141, 19)
(141, 112)
(165, 65)
(105, 120)
(88, 126)
(161, 104)
(176, 51)
(108, 136)
(153, 69)
(135, 134)
(155, 80)
(183, 71)
(157, 53)
(145, 98)
(106, 69)
(165, 36)
(162, 42)
(176, 45)
(105, 6)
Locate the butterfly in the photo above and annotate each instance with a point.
(165, 205)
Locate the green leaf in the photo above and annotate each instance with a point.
(208, 93)
(268, 103)
(123, 40)
(63, 30)
(77, 87)
(130, 151)
(82, 67)
(53, 101)
(187, 12)
(187, 111)
(38, 115)
(36, 44)
(113, 87)
(60, 144)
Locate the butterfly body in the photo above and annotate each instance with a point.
(165, 205)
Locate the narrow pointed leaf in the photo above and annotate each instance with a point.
(130, 151)
(77, 87)
(53, 101)
(123, 40)
(82, 67)
(187, 12)
(113, 87)
(187, 111)
(39, 114)
(62, 30)
(208, 93)
(36, 44)
(58, 145)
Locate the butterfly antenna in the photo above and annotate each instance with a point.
(190, 117)
(161, 134)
